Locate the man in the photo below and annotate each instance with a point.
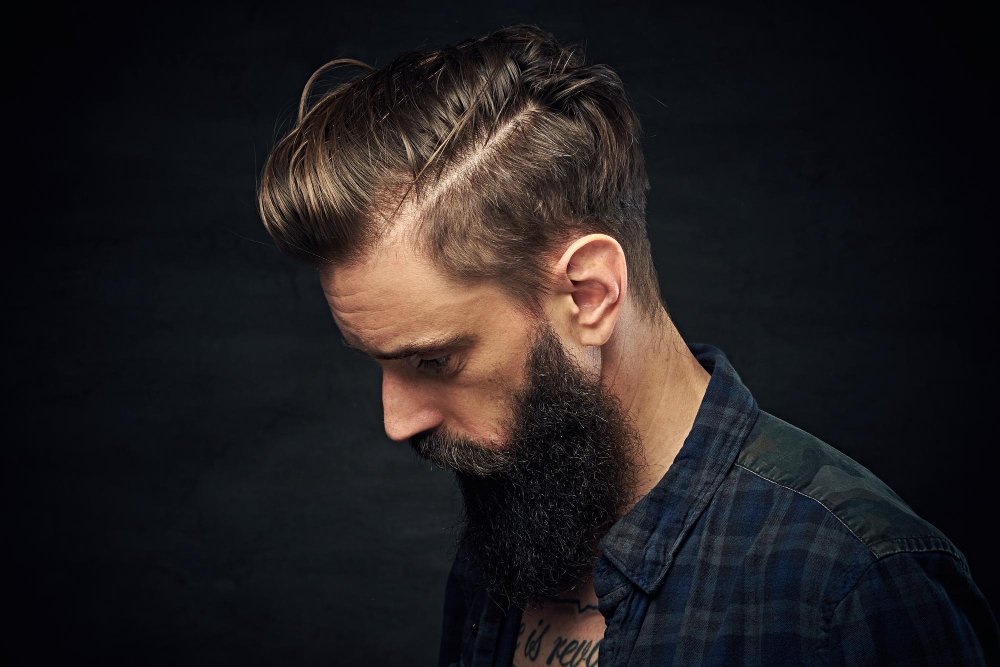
(477, 218)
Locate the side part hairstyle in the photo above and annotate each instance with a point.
(497, 150)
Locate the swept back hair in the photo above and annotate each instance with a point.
(497, 150)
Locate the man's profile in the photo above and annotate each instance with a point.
(476, 215)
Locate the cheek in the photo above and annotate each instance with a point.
(477, 392)
(480, 398)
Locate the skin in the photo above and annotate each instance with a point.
(394, 297)
(567, 631)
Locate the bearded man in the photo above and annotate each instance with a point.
(476, 215)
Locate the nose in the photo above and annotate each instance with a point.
(406, 412)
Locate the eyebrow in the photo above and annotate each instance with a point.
(425, 347)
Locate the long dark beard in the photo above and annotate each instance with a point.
(536, 509)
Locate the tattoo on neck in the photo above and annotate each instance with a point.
(580, 608)
(564, 651)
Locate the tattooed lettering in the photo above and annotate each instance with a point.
(564, 651)
(573, 653)
(534, 644)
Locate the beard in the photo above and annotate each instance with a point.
(536, 507)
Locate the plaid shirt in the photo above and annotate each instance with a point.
(760, 545)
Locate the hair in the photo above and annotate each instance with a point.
(498, 150)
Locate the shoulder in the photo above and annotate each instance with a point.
(903, 593)
(789, 457)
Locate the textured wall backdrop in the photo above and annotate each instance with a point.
(198, 469)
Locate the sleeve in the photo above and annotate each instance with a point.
(455, 609)
(913, 608)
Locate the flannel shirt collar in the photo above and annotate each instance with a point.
(642, 543)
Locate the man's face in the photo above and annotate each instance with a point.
(396, 299)
(544, 456)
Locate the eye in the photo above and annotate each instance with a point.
(436, 365)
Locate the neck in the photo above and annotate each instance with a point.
(652, 371)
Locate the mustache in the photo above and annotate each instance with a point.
(461, 454)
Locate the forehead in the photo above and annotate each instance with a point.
(394, 296)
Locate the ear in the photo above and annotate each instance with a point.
(592, 278)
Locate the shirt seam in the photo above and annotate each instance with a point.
(827, 623)
(817, 500)
(940, 546)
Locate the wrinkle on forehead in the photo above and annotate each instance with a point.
(389, 274)
(396, 292)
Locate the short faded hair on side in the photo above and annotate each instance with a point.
(500, 148)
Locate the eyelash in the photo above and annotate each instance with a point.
(442, 365)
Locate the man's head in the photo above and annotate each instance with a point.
(545, 456)
(476, 215)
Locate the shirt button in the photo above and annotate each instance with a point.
(475, 628)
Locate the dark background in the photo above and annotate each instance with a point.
(198, 469)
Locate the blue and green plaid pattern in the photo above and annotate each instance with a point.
(761, 545)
